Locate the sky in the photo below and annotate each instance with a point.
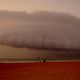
(44, 28)
(67, 6)
(40, 29)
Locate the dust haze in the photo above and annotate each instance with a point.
(40, 29)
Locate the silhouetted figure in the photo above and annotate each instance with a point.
(38, 59)
(44, 60)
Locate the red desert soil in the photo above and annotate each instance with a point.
(40, 71)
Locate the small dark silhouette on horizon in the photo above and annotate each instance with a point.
(41, 60)
(44, 60)
(38, 59)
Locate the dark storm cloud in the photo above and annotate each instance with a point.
(41, 29)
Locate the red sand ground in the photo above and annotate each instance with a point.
(40, 71)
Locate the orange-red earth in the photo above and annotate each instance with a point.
(40, 71)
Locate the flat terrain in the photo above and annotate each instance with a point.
(40, 71)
